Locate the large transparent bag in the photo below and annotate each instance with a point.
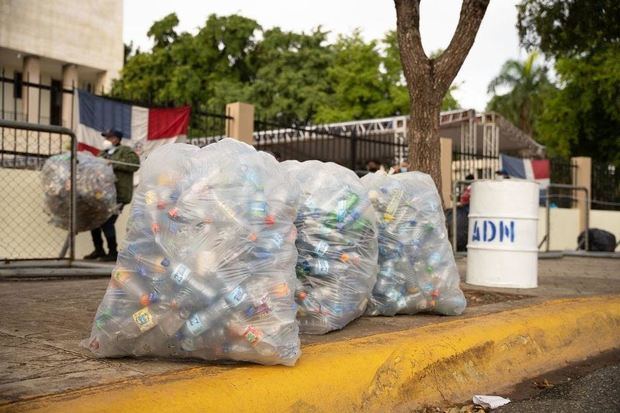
(96, 193)
(417, 272)
(337, 246)
(208, 267)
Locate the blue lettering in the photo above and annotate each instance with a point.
(476, 232)
(492, 231)
(507, 230)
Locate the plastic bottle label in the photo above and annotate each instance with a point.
(253, 335)
(278, 240)
(180, 274)
(144, 319)
(236, 296)
(259, 209)
(341, 210)
(321, 267)
(394, 201)
(321, 248)
(195, 325)
(150, 197)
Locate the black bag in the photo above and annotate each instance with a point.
(598, 240)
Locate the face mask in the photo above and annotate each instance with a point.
(107, 144)
(403, 169)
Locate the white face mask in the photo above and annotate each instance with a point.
(107, 144)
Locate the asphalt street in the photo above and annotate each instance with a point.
(596, 392)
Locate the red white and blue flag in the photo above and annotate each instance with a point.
(538, 170)
(143, 128)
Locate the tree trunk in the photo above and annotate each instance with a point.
(423, 131)
(428, 80)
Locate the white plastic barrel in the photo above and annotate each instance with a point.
(502, 246)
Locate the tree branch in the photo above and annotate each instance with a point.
(449, 62)
(414, 60)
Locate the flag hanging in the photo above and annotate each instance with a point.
(538, 170)
(143, 128)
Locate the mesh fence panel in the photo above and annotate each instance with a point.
(25, 230)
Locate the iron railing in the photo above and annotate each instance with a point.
(22, 100)
(605, 186)
(477, 165)
(347, 148)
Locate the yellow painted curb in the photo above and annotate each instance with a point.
(398, 371)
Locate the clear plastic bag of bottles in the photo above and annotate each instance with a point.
(96, 193)
(417, 272)
(208, 267)
(337, 246)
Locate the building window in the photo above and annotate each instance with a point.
(18, 81)
(56, 103)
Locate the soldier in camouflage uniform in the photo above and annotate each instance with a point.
(124, 163)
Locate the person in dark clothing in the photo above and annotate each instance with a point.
(124, 163)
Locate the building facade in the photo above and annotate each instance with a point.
(58, 45)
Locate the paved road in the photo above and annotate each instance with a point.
(596, 392)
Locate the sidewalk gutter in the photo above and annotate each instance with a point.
(435, 364)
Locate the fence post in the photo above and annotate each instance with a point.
(353, 150)
(241, 126)
(582, 176)
(445, 145)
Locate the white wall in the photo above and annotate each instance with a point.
(565, 226)
(83, 32)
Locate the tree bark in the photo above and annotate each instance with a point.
(428, 80)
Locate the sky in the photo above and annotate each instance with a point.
(496, 41)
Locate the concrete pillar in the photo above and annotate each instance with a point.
(241, 126)
(582, 176)
(102, 83)
(69, 81)
(31, 71)
(446, 171)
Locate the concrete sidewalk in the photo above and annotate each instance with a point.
(42, 365)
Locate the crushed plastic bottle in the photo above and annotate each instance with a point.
(417, 271)
(208, 267)
(337, 245)
(96, 193)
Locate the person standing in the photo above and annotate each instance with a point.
(124, 163)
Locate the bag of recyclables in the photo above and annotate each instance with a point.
(417, 272)
(96, 193)
(337, 246)
(208, 267)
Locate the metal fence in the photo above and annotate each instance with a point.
(563, 173)
(329, 144)
(605, 186)
(53, 104)
(25, 231)
(25, 101)
(207, 127)
(477, 165)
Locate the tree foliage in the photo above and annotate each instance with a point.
(568, 27)
(527, 84)
(582, 37)
(582, 118)
(289, 77)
